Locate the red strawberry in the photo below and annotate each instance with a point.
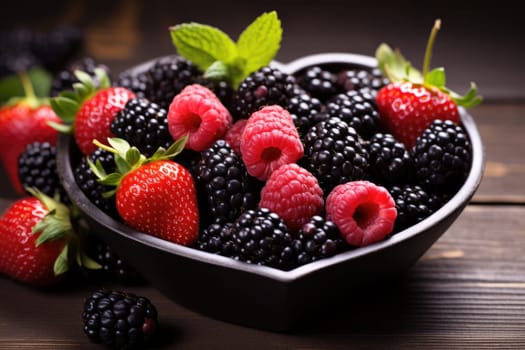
(156, 196)
(24, 121)
(91, 108)
(36, 240)
(413, 100)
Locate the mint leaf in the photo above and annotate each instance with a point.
(203, 44)
(260, 41)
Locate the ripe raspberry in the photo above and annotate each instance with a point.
(233, 135)
(294, 194)
(197, 110)
(269, 140)
(364, 212)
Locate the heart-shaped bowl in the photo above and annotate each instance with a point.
(259, 296)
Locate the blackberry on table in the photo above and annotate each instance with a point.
(119, 319)
(318, 239)
(65, 78)
(333, 152)
(266, 86)
(442, 156)
(37, 168)
(88, 182)
(143, 124)
(413, 204)
(356, 109)
(389, 160)
(319, 83)
(223, 175)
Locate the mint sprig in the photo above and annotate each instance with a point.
(219, 57)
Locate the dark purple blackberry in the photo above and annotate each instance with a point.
(143, 124)
(356, 79)
(138, 83)
(334, 154)
(217, 238)
(257, 237)
(355, 109)
(318, 239)
(442, 156)
(413, 204)
(65, 79)
(220, 88)
(267, 86)
(15, 51)
(305, 111)
(57, 47)
(118, 319)
(167, 77)
(319, 83)
(389, 160)
(224, 177)
(37, 168)
(88, 182)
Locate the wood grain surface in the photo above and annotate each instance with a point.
(466, 292)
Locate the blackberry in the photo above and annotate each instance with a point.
(356, 109)
(88, 182)
(37, 168)
(57, 47)
(167, 77)
(319, 83)
(267, 86)
(333, 152)
(138, 83)
(220, 88)
(223, 175)
(143, 124)
(318, 239)
(217, 238)
(305, 111)
(413, 204)
(118, 319)
(442, 156)
(356, 79)
(65, 79)
(257, 237)
(389, 160)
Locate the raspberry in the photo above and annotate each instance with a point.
(197, 110)
(233, 135)
(294, 194)
(269, 140)
(364, 212)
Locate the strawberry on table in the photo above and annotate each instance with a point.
(22, 122)
(89, 110)
(414, 99)
(36, 241)
(154, 195)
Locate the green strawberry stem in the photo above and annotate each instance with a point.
(29, 98)
(430, 46)
(397, 69)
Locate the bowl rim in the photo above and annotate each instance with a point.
(460, 199)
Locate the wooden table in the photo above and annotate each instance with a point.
(467, 291)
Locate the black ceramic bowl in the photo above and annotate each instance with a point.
(259, 296)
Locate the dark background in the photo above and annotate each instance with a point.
(478, 42)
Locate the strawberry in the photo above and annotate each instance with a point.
(24, 121)
(36, 240)
(89, 110)
(412, 100)
(154, 195)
